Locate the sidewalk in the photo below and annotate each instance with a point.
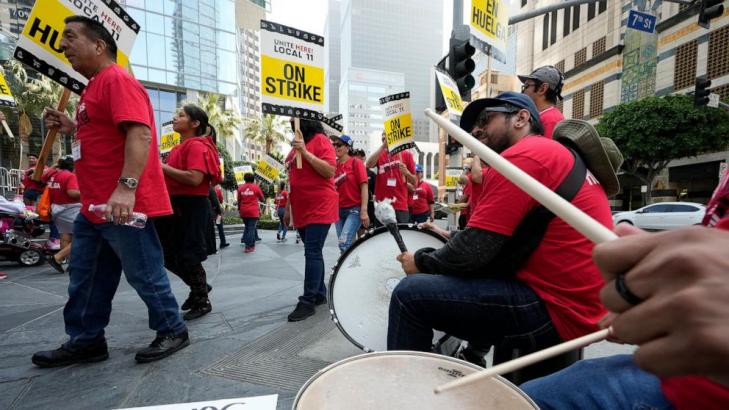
(245, 347)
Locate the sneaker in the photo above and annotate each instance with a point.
(278, 236)
(161, 347)
(188, 302)
(55, 264)
(249, 249)
(3, 275)
(321, 301)
(53, 244)
(224, 245)
(64, 356)
(301, 312)
(258, 239)
(200, 308)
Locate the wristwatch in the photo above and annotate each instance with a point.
(131, 183)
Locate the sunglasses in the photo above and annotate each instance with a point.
(526, 86)
(484, 116)
(338, 144)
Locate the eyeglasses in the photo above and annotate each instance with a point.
(485, 116)
(526, 85)
(338, 144)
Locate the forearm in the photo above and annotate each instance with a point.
(321, 167)
(410, 177)
(372, 160)
(363, 197)
(183, 176)
(476, 173)
(136, 151)
(466, 254)
(432, 211)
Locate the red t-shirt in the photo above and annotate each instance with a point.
(190, 155)
(32, 184)
(219, 193)
(476, 189)
(422, 198)
(58, 185)
(110, 99)
(560, 270)
(549, 119)
(467, 193)
(314, 199)
(696, 392)
(248, 196)
(282, 199)
(389, 183)
(348, 179)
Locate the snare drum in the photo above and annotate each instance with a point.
(405, 381)
(363, 281)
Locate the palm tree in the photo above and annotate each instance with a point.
(266, 130)
(225, 121)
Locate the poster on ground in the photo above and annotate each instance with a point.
(488, 22)
(6, 97)
(398, 122)
(269, 169)
(292, 73)
(452, 97)
(39, 43)
(242, 403)
(240, 171)
(168, 138)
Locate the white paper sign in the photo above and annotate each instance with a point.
(242, 403)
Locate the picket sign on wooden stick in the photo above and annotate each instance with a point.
(50, 138)
(298, 136)
(7, 129)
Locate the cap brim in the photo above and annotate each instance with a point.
(524, 78)
(474, 108)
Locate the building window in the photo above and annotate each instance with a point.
(581, 57)
(598, 47)
(554, 28)
(602, 6)
(718, 53)
(560, 105)
(575, 17)
(578, 104)
(590, 11)
(566, 25)
(523, 3)
(684, 72)
(545, 32)
(494, 78)
(560, 66)
(596, 99)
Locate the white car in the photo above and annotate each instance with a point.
(663, 215)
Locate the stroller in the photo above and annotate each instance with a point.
(19, 229)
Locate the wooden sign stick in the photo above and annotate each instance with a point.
(298, 136)
(50, 138)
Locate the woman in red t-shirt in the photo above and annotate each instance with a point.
(65, 206)
(351, 182)
(282, 198)
(248, 196)
(422, 199)
(191, 168)
(314, 206)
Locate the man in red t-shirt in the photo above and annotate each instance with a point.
(65, 206)
(552, 296)
(393, 174)
(249, 194)
(676, 312)
(422, 198)
(544, 87)
(117, 164)
(32, 189)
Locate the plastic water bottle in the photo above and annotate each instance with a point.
(138, 220)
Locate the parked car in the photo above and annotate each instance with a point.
(664, 215)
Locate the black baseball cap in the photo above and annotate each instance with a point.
(503, 102)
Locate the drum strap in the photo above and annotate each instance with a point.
(529, 233)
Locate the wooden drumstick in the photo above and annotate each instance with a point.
(516, 364)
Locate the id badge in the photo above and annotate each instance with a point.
(76, 150)
(391, 182)
(415, 197)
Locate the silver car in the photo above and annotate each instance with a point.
(664, 215)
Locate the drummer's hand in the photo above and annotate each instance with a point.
(605, 323)
(365, 219)
(431, 226)
(407, 260)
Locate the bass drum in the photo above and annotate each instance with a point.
(363, 281)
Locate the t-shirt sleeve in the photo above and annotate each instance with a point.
(360, 174)
(410, 162)
(131, 105)
(195, 155)
(324, 150)
(72, 183)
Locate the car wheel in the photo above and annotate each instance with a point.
(30, 257)
(625, 221)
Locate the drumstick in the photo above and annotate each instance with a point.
(524, 361)
(574, 216)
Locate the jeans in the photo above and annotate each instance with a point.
(483, 311)
(314, 236)
(347, 225)
(221, 233)
(53, 234)
(99, 255)
(282, 228)
(609, 383)
(249, 235)
(420, 218)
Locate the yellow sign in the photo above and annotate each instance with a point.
(292, 81)
(269, 169)
(453, 175)
(398, 122)
(168, 138)
(488, 21)
(222, 167)
(39, 43)
(240, 172)
(6, 97)
(450, 93)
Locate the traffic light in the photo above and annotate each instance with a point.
(452, 146)
(461, 65)
(440, 104)
(709, 9)
(701, 92)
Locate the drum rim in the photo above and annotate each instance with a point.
(362, 356)
(370, 233)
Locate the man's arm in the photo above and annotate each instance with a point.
(476, 171)
(372, 160)
(189, 177)
(465, 254)
(136, 151)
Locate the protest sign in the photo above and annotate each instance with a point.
(240, 171)
(168, 138)
(488, 22)
(222, 166)
(269, 169)
(450, 92)
(453, 175)
(6, 97)
(398, 122)
(39, 43)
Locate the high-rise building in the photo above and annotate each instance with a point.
(402, 36)
(332, 32)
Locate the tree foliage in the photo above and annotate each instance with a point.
(267, 130)
(224, 120)
(652, 131)
(228, 183)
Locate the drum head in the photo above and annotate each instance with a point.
(405, 381)
(363, 281)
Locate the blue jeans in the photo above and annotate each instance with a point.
(314, 236)
(613, 382)
(99, 255)
(282, 228)
(420, 218)
(347, 225)
(249, 235)
(483, 311)
(221, 233)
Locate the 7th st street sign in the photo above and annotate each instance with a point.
(641, 21)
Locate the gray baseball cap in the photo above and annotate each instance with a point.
(549, 75)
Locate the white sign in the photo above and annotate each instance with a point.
(398, 122)
(39, 43)
(713, 100)
(450, 92)
(488, 22)
(242, 403)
